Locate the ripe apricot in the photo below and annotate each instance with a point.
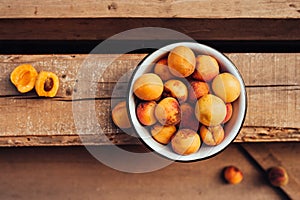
(229, 111)
(120, 115)
(145, 113)
(227, 87)
(24, 77)
(167, 111)
(197, 89)
(162, 134)
(47, 84)
(233, 175)
(207, 68)
(181, 61)
(148, 87)
(185, 142)
(177, 89)
(162, 70)
(278, 176)
(210, 110)
(212, 135)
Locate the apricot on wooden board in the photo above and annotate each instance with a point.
(24, 77)
(120, 115)
(47, 84)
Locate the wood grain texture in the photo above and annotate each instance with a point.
(73, 173)
(103, 28)
(266, 157)
(151, 9)
(271, 82)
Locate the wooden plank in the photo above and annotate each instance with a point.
(51, 122)
(72, 173)
(151, 9)
(266, 157)
(198, 29)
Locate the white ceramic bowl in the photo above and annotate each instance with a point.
(232, 127)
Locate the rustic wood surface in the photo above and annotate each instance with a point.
(103, 28)
(268, 157)
(271, 81)
(151, 9)
(72, 173)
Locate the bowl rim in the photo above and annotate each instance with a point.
(128, 95)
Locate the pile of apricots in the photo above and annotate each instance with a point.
(186, 100)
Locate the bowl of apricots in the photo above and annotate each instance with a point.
(186, 101)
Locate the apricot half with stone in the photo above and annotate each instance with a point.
(185, 142)
(227, 87)
(210, 110)
(167, 111)
(24, 77)
(181, 61)
(148, 87)
(47, 84)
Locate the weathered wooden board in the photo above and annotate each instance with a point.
(72, 173)
(268, 157)
(196, 28)
(271, 82)
(151, 9)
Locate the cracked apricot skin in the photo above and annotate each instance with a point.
(24, 77)
(47, 84)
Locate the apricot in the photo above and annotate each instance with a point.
(181, 61)
(176, 89)
(210, 110)
(188, 119)
(227, 87)
(197, 89)
(148, 87)
(207, 68)
(145, 113)
(278, 176)
(167, 111)
(185, 142)
(162, 70)
(229, 111)
(212, 135)
(120, 115)
(232, 175)
(162, 134)
(47, 84)
(24, 77)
